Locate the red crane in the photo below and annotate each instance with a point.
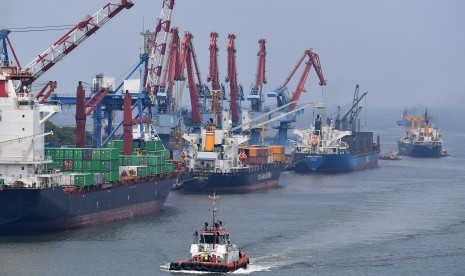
(232, 77)
(189, 61)
(214, 77)
(51, 86)
(67, 43)
(256, 95)
(313, 59)
(157, 53)
(172, 71)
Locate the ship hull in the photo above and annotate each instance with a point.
(419, 150)
(51, 209)
(264, 177)
(307, 162)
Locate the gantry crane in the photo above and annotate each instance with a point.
(282, 95)
(256, 93)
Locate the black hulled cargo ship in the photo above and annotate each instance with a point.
(218, 161)
(63, 188)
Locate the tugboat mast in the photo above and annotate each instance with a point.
(214, 197)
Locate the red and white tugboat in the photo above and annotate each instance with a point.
(212, 250)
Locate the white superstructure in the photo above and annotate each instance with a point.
(22, 121)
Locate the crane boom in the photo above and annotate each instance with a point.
(232, 77)
(256, 94)
(72, 39)
(157, 52)
(189, 61)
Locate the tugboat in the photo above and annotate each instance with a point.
(394, 155)
(212, 250)
(422, 140)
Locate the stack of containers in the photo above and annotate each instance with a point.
(256, 155)
(82, 164)
(278, 153)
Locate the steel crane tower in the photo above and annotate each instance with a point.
(256, 93)
(281, 94)
(214, 77)
(232, 79)
(157, 52)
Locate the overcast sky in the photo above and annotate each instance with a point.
(405, 53)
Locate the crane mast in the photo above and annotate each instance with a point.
(157, 51)
(313, 60)
(171, 74)
(214, 77)
(67, 43)
(256, 94)
(232, 78)
(189, 61)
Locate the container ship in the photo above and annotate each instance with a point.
(219, 160)
(422, 140)
(322, 148)
(62, 188)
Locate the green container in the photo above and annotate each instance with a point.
(135, 160)
(169, 167)
(48, 153)
(96, 165)
(59, 164)
(83, 179)
(78, 166)
(110, 176)
(125, 160)
(153, 145)
(77, 154)
(96, 154)
(59, 153)
(154, 160)
(109, 154)
(86, 165)
(142, 171)
(68, 153)
(117, 144)
(110, 165)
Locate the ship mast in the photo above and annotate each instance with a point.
(214, 210)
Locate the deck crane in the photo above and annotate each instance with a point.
(157, 52)
(42, 96)
(189, 62)
(66, 44)
(217, 91)
(232, 79)
(347, 121)
(281, 94)
(256, 93)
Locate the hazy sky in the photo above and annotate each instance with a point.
(404, 53)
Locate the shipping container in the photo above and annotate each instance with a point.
(83, 179)
(111, 165)
(278, 157)
(257, 160)
(154, 145)
(96, 165)
(110, 176)
(77, 165)
(168, 167)
(96, 154)
(77, 154)
(87, 154)
(109, 154)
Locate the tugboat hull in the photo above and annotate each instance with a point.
(209, 266)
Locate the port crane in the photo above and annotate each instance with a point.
(152, 74)
(64, 45)
(217, 90)
(256, 92)
(189, 63)
(282, 95)
(347, 122)
(232, 79)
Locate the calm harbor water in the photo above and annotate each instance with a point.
(403, 218)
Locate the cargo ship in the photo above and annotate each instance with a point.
(219, 160)
(322, 148)
(64, 188)
(422, 140)
(212, 250)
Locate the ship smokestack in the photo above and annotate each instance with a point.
(80, 117)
